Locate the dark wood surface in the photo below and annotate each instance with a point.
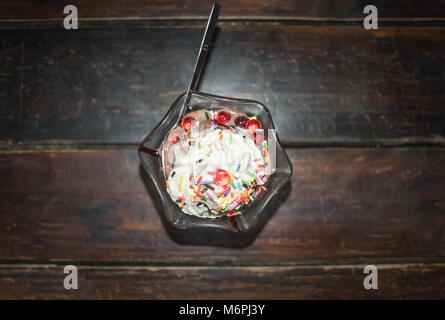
(342, 206)
(93, 85)
(360, 112)
(406, 281)
(340, 9)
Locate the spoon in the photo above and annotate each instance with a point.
(203, 52)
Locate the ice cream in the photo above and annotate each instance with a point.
(216, 162)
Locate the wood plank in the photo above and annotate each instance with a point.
(343, 206)
(322, 84)
(407, 281)
(26, 9)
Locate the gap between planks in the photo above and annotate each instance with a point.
(302, 144)
(4, 263)
(325, 267)
(224, 22)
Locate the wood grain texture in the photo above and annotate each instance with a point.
(337, 84)
(343, 206)
(402, 9)
(407, 281)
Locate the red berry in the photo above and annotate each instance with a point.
(252, 125)
(222, 117)
(222, 178)
(241, 121)
(176, 136)
(188, 123)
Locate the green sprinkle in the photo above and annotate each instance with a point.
(232, 184)
(230, 140)
(252, 176)
(199, 145)
(265, 144)
(245, 182)
(200, 213)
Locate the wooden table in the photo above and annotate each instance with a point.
(361, 113)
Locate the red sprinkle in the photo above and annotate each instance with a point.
(199, 180)
(227, 189)
(188, 123)
(222, 178)
(222, 117)
(252, 125)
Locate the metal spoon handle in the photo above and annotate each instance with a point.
(203, 51)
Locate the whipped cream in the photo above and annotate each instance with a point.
(191, 181)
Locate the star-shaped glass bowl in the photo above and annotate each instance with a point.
(152, 163)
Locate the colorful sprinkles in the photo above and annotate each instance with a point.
(227, 190)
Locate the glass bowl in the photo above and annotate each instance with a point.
(152, 163)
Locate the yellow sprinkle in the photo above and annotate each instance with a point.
(226, 202)
(251, 199)
(181, 180)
